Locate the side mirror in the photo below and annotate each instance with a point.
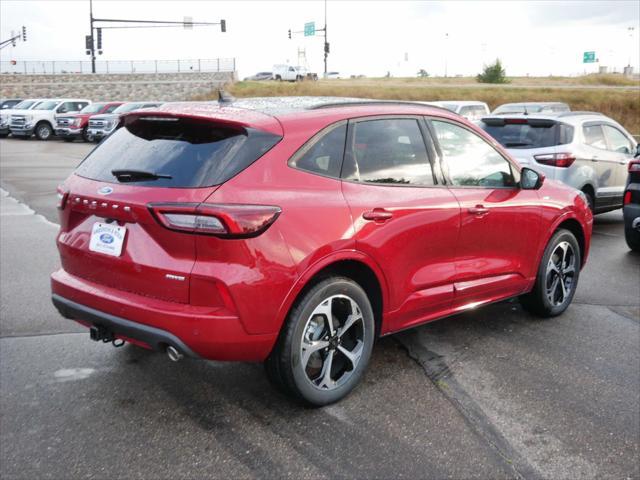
(530, 179)
(637, 154)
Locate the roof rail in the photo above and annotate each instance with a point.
(578, 112)
(351, 103)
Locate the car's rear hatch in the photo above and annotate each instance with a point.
(110, 232)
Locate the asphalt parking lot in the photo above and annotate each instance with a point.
(493, 393)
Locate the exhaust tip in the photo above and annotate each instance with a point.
(173, 354)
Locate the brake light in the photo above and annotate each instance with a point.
(62, 194)
(634, 166)
(515, 121)
(627, 197)
(562, 160)
(222, 220)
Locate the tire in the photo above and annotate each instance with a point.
(278, 78)
(557, 277)
(590, 200)
(632, 237)
(43, 131)
(310, 374)
(86, 137)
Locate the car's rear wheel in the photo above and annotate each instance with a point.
(44, 131)
(325, 346)
(557, 276)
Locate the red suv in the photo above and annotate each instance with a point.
(296, 231)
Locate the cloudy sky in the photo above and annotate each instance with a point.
(366, 37)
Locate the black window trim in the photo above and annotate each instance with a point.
(515, 169)
(426, 138)
(315, 138)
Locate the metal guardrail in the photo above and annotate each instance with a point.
(55, 67)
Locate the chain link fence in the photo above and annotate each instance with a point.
(53, 67)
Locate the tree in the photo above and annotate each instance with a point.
(493, 73)
(423, 73)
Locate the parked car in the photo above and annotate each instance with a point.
(100, 126)
(471, 110)
(297, 236)
(75, 126)
(5, 115)
(631, 208)
(585, 150)
(7, 103)
(41, 118)
(531, 107)
(260, 76)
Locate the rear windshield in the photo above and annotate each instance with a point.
(530, 136)
(192, 153)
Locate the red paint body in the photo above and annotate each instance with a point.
(84, 117)
(431, 256)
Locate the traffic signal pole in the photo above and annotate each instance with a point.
(90, 41)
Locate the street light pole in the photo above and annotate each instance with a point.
(326, 44)
(446, 52)
(630, 29)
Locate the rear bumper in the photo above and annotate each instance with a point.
(631, 212)
(205, 332)
(153, 337)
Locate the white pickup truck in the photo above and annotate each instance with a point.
(290, 73)
(41, 118)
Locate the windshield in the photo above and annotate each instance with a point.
(524, 135)
(128, 107)
(48, 105)
(24, 104)
(187, 152)
(93, 108)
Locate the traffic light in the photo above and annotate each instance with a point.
(289, 34)
(24, 34)
(326, 47)
(223, 26)
(99, 32)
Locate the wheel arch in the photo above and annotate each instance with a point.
(574, 227)
(354, 265)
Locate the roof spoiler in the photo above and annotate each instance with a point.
(534, 122)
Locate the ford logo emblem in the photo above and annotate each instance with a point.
(106, 238)
(105, 190)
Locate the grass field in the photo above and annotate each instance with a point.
(614, 95)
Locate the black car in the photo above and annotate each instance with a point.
(631, 208)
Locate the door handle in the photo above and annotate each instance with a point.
(479, 210)
(378, 215)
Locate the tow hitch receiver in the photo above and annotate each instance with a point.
(97, 333)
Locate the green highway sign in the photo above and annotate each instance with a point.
(589, 57)
(309, 29)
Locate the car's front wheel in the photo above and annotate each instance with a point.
(326, 344)
(44, 131)
(557, 277)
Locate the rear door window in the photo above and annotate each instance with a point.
(180, 152)
(594, 136)
(323, 155)
(388, 151)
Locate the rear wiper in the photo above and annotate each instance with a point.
(124, 175)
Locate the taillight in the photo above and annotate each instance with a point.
(222, 220)
(62, 194)
(634, 166)
(627, 196)
(562, 160)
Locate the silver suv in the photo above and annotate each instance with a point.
(585, 150)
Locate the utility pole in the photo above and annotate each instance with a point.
(446, 47)
(326, 43)
(630, 30)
